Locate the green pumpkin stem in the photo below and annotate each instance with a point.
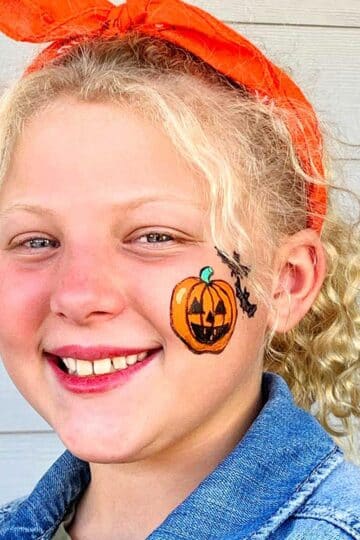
(206, 274)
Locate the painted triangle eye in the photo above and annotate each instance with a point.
(196, 307)
(220, 308)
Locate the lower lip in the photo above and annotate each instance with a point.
(96, 383)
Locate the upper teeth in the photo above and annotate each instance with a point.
(100, 367)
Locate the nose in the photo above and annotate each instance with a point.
(87, 289)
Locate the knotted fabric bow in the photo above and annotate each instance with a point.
(191, 28)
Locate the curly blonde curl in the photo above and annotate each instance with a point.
(319, 358)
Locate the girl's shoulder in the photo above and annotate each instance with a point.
(341, 487)
(7, 509)
(332, 512)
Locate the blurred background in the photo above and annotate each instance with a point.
(318, 43)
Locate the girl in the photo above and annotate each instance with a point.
(183, 282)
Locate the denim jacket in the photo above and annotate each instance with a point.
(285, 479)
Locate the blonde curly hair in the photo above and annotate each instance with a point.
(241, 146)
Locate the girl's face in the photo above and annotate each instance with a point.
(119, 220)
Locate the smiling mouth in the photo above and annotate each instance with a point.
(209, 334)
(86, 368)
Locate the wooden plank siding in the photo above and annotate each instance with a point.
(24, 457)
(318, 42)
(305, 13)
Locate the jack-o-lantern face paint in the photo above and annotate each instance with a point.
(203, 312)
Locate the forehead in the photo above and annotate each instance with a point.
(96, 150)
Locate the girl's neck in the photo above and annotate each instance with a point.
(130, 500)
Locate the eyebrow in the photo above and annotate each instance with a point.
(33, 208)
(131, 205)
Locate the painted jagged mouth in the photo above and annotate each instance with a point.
(209, 334)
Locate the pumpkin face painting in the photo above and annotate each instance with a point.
(203, 312)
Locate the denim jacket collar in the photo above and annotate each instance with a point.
(276, 466)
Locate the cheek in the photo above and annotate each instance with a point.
(149, 295)
(24, 296)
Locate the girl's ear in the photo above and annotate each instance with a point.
(299, 270)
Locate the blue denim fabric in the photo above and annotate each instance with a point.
(285, 479)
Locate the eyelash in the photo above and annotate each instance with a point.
(151, 235)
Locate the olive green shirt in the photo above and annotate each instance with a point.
(60, 533)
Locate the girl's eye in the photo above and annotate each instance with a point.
(155, 238)
(38, 242)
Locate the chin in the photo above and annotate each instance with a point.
(99, 457)
(88, 452)
(104, 449)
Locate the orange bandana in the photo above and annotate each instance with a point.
(66, 23)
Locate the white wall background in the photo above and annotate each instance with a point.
(318, 41)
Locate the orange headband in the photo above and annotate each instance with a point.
(65, 23)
